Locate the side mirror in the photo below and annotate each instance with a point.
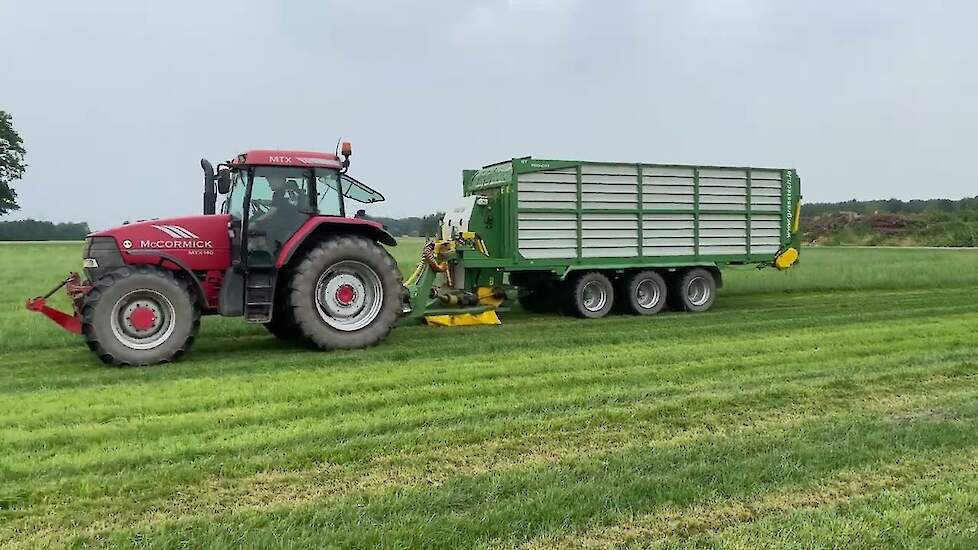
(223, 181)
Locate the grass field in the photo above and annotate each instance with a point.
(831, 406)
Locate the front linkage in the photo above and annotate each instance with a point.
(77, 289)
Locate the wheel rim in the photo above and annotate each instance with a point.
(349, 295)
(143, 319)
(647, 294)
(698, 291)
(594, 296)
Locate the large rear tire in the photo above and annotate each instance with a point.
(346, 293)
(139, 315)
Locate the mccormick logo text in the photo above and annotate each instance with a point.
(176, 244)
(181, 239)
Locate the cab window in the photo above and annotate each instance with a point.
(329, 202)
(359, 192)
(234, 204)
(284, 188)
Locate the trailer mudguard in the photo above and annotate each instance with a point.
(324, 226)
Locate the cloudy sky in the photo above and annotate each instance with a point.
(118, 100)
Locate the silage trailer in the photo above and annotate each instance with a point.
(593, 237)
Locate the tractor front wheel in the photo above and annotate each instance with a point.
(346, 293)
(139, 315)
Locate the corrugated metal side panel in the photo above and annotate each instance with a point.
(731, 200)
(723, 233)
(550, 189)
(547, 235)
(668, 235)
(609, 235)
(765, 233)
(611, 187)
(723, 189)
(667, 188)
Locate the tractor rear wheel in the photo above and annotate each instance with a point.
(139, 315)
(346, 293)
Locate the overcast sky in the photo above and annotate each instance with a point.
(117, 101)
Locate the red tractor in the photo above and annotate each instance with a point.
(283, 252)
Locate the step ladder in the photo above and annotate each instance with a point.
(259, 287)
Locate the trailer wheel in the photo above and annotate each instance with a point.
(694, 290)
(644, 293)
(346, 293)
(591, 295)
(139, 316)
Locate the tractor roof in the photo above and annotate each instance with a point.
(276, 157)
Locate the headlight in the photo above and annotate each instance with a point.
(90, 263)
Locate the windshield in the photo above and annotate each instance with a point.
(283, 187)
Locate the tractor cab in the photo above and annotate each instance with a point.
(272, 196)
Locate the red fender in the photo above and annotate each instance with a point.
(336, 225)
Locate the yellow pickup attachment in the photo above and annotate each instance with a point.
(487, 297)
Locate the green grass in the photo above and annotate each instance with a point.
(830, 406)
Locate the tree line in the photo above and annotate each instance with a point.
(36, 230)
(414, 226)
(891, 206)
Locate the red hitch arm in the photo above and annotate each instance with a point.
(71, 323)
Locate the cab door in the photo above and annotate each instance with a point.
(279, 201)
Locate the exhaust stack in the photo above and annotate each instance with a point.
(210, 195)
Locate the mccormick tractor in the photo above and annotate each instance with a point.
(283, 252)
